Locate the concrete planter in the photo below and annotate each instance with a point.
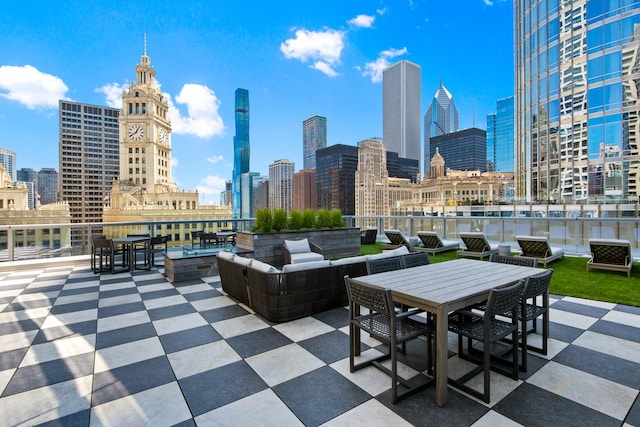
(267, 247)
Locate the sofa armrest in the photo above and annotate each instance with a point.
(315, 248)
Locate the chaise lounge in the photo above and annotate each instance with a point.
(397, 240)
(476, 246)
(538, 247)
(610, 254)
(433, 244)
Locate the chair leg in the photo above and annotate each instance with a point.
(487, 371)
(393, 349)
(514, 337)
(524, 326)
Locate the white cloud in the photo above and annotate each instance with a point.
(322, 48)
(211, 186)
(215, 159)
(113, 94)
(374, 69)
(381, 11)
(488, 2)
(362, 21)
(203, 119)
(31, 87)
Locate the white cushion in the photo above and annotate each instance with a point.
(242, 260)
(306, 257)
(305, 266)
(350, 260)
(226, 255)
(402, 250)
(263, 267)
(297, 246)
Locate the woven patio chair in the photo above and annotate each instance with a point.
(610, 254)
(387, 325)
(384, 264)
(476, 246)
(415, 259)
(487, 329)
(538, 247)
(514, 260)
(433, 244)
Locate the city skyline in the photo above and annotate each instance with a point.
(334, 56)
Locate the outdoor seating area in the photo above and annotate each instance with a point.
(127, 349)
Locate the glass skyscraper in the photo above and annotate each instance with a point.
(314, 138)
(577, 89)
(240, 151)
(500, 137)
(441, 118)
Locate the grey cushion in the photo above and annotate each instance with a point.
(306, 257)
(263, 267)
(226, 255)
(297, 246)
(287, 268)
(242, 260)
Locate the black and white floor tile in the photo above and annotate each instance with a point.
(133, 349)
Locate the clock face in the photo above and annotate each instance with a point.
(163, 135)
(136, 132)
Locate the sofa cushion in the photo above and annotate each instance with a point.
(287, 268)
(349, 260)
(297, 246)
(402, 250)
(242, 260)
(263, 267)
(305, 257)
(226, 255)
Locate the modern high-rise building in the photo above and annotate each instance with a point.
(441, 118)
(401, 109)
(30, 178)
(314, 138)
(304, 190)
(463, 150)
(48, 185)
(89, 157)
(8, 160)
(281, 184)
(246, 191)
(399, 167)
(500, 140)
(241, 153)
(335, 177)
(577, 101)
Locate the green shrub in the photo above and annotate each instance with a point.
(264, 220)
(336, 219)
(308, 218)
(295, 220)
(323, 220)
(279, 219)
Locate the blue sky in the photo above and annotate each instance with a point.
(297, 59)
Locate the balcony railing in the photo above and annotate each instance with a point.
(35, 241)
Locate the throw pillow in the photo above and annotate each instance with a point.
(297, 246)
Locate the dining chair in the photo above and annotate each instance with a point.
(142, 247)
(514, 260)
(486, 328)
(158, 244)
(529, 311)
(415, 259)
(103, 255)
(382, 265)
(387, 325)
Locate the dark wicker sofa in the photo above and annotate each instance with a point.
(299, 290)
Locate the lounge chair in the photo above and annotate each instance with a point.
(297, 251)
(538, 247)
(432, 243)
(476, 246)
(610, 254)
(397, 239)
(368, 236)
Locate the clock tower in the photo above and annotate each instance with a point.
(145, 134)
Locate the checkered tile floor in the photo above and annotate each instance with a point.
(133, 349)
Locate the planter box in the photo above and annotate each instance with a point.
(267, 247)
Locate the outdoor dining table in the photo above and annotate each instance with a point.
(443, 287)
(128, 244)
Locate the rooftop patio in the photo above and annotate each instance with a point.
(134, 349)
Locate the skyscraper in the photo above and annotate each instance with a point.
(241, 152)
(281, 184)
(305, 190)
(500, 140)
(401, 109)
(48, 185)
(89, 155)
(462, 150)
(441, 118)
(314, 138)
(335, 177)
(577, 96)
(8, 160)
(30, 177)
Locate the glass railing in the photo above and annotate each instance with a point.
(36, 241)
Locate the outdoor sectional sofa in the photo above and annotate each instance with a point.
(296, 291)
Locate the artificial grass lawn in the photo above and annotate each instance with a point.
(570, 278)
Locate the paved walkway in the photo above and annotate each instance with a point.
(133, 349)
